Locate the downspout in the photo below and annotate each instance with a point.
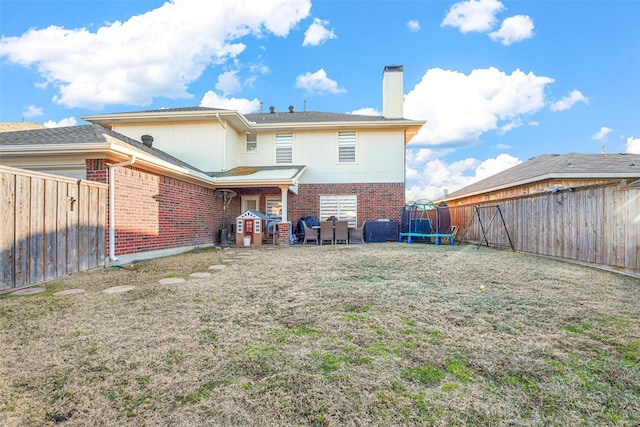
(224, 146)
(112, 203)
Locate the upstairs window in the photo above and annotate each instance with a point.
(252, 143)
(284, 148)
(346, 147)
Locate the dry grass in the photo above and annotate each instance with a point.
(379, 334)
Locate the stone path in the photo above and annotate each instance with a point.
(127, 288)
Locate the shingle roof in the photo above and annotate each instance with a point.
(85, 134)
(312, 117)
(550, 166)
(175, 110)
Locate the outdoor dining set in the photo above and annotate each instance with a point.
(334, 232)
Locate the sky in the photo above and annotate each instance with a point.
(498, 82)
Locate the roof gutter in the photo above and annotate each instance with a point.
(112, 202)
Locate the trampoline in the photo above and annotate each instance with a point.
(425, 220)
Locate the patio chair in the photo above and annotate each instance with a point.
(357, 233)
(342, 232)
(326, 231)
(309, 234)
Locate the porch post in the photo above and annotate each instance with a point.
(284, 226)
(284, 189)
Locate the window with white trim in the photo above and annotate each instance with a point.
(284, 148)
(252, 143)
(249, 203)
(344, 207)
(274, 206)
(346, 147)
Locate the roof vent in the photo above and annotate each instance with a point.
(272, 109)
(147, 140)
(291, 107)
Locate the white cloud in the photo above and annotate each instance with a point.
(157, 53)
(513, 29)
(534, 123)
(633, 145)
(503, 146)
(493, 166)
(317, 82)
(413, 25)
(317, 33)
(69, 121)
(429, 177)
(228, 82)
(473, 15)
(367, 111)
(32, 111)
(460, 107)
(244, 106)
(510, 126)
(601, 135)
(569, 101)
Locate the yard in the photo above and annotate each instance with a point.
(377, 334)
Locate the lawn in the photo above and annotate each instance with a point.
(378, 334)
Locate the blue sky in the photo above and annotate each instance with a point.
(498, 82)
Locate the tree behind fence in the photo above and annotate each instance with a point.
(52, 226)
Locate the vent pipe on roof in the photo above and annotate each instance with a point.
(272, 109)
(147, 140)
(392, 92)
(291, 108)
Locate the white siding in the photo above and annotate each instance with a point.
(199, 144)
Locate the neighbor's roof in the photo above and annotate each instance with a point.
(16, 126)
(79, 135)
(557, 166)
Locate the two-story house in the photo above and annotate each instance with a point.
(287, 163)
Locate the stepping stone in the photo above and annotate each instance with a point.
(171, 281)
(200, 275)
(229, 260)
(217, 267)
(28, 291)
(68, 292)
(118, 289)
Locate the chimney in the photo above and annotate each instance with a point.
(392, 92)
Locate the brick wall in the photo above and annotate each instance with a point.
(375, 201)
(155, 212)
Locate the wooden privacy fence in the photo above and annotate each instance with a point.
(52, 226)
(597, 224)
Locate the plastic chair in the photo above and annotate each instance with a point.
(342, 232)
(309, 234)
(326, 231)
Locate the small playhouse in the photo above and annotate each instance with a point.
(425, 220)
(250, 226)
